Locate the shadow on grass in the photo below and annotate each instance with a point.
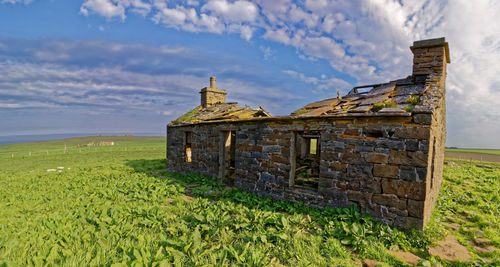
(343, 219)
(213, 189)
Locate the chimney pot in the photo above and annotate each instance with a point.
(212, 82)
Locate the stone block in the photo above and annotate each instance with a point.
(408, 173)
(422, 118)
(421, 133)
(354, 132)
(267, 177)
(371, 184)
(383, 170)
(362, 148)
(359, 197)
(404, 189)
(416, 208)
(408, 222)
(359, 171)
(337, 166)
(259, 155)
(377, 158)
(417, 158)
(391, 144)
(271, 149)
(411, 145)
(350, 156)
(389, 200)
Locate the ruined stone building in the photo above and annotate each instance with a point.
(379, 147)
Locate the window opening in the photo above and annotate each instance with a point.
(229, 154)
(307, 159)
(187, 147)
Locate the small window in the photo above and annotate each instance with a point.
(313, 146)
(187, 147)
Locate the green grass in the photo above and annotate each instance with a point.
(472, 150)
(118, 206)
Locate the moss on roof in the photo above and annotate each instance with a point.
(221, 111)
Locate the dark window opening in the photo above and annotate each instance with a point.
(229, 157)
(374, 133)
(307, 159)
(187, 147)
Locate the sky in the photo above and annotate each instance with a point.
(119, 66)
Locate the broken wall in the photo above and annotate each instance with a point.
(377, 163)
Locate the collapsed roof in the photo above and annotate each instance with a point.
(221, 111)
(393, 97)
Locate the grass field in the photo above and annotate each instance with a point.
(117, 206)
(480, 151)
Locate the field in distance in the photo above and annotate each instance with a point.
(492, 155)
(118, 206)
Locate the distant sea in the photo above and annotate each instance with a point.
(4, 140)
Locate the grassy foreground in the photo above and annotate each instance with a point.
(117, 206)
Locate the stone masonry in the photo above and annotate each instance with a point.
(387, 161)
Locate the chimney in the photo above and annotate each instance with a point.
(212, 95)
(212, 82)
(430, 56)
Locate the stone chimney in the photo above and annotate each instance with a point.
(430, 56)
(212, 95)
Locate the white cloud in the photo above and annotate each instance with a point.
(322, 84)
(238, 11)
(114, 8)
(16, 1)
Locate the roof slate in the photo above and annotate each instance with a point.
(395, 96)
(221, 111)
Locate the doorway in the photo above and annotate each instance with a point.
(307, 149)
(228, 157)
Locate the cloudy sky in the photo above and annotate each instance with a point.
(117, 66)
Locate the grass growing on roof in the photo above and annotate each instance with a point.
(190, 116)
(385, 104)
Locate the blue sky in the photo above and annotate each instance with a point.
(134, 65)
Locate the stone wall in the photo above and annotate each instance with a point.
(378, 163)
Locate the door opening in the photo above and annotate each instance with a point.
(228, 154)
(307, 159)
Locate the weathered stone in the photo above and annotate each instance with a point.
(377, 158)
(422, 118)
(413, 133)
(411, 145)
(364, 148)
(416, 208)
(383, 170)
(358, 171)
(391, 144)
(389, 200)
(337, 166)
(409, 158)
(267, 177)
(271, 149)
(408, 222)
(371, 184)
(405, 189)
(408, 173)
